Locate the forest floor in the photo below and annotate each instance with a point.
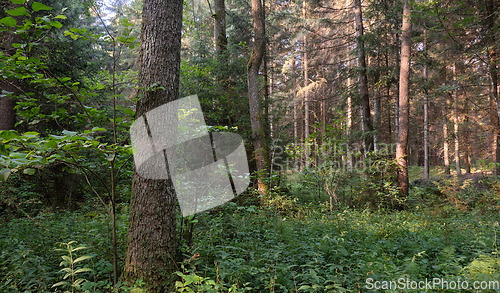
(449, 232)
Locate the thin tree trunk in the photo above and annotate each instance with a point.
(220, 27)
(258, 132)
(446, 151)
(458, 170)
(306, 93)
(350, 165)
(466, 137)
(404, 78)
(295, 115)
(151, 240)
(491, 7)
(426, 116)
(376, 111)
(7, 38)
(396, 94)
(366, 123)
(7, 112)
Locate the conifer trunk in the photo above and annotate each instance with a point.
(151, 240)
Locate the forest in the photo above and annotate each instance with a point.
(371, 130)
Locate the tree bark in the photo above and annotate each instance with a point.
(306, 93)
(350, 163)
(295, 115)
(151, 240)
(466, 137)
(396, 94)
(220, 27)
(7, 112)
(491, 8)
(258, 132)
(426, 116)
(458, 170)
(404, 78)
(366, 123)
(446, 148)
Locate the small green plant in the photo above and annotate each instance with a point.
(73, 281)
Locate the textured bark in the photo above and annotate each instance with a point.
(491, 8)
(396, 94)
(306, 92)
(404, 77)
(258, 132)
(466, 137)
(220, 27)
(376, 111)
(458, 170)
(446, 147)
(350, 164)
(295, 115)
(426, 117)
(366, 123)
(7, 112)
(151, 240)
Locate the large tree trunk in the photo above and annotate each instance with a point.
(404, 78)
(366, 123)
(258, 132)
(151, 240)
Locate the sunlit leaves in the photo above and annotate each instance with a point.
(8, 21)
(18, 11)
(37, 6)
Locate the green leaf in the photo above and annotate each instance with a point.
(31, 134)
(98, 129)
(69, 133)
(18, 1)
(18, 11)
(81, 258)
(56, 24)
(8, 21)
(82, 270)
(37, 6)
(60, 16)
(29, 171)
(59, 284)
(128, 111)
(4, 174)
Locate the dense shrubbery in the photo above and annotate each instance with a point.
(270, 252)
(285, 245)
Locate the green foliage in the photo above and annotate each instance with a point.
(29, 262)
(317, 252)
(72, 267)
